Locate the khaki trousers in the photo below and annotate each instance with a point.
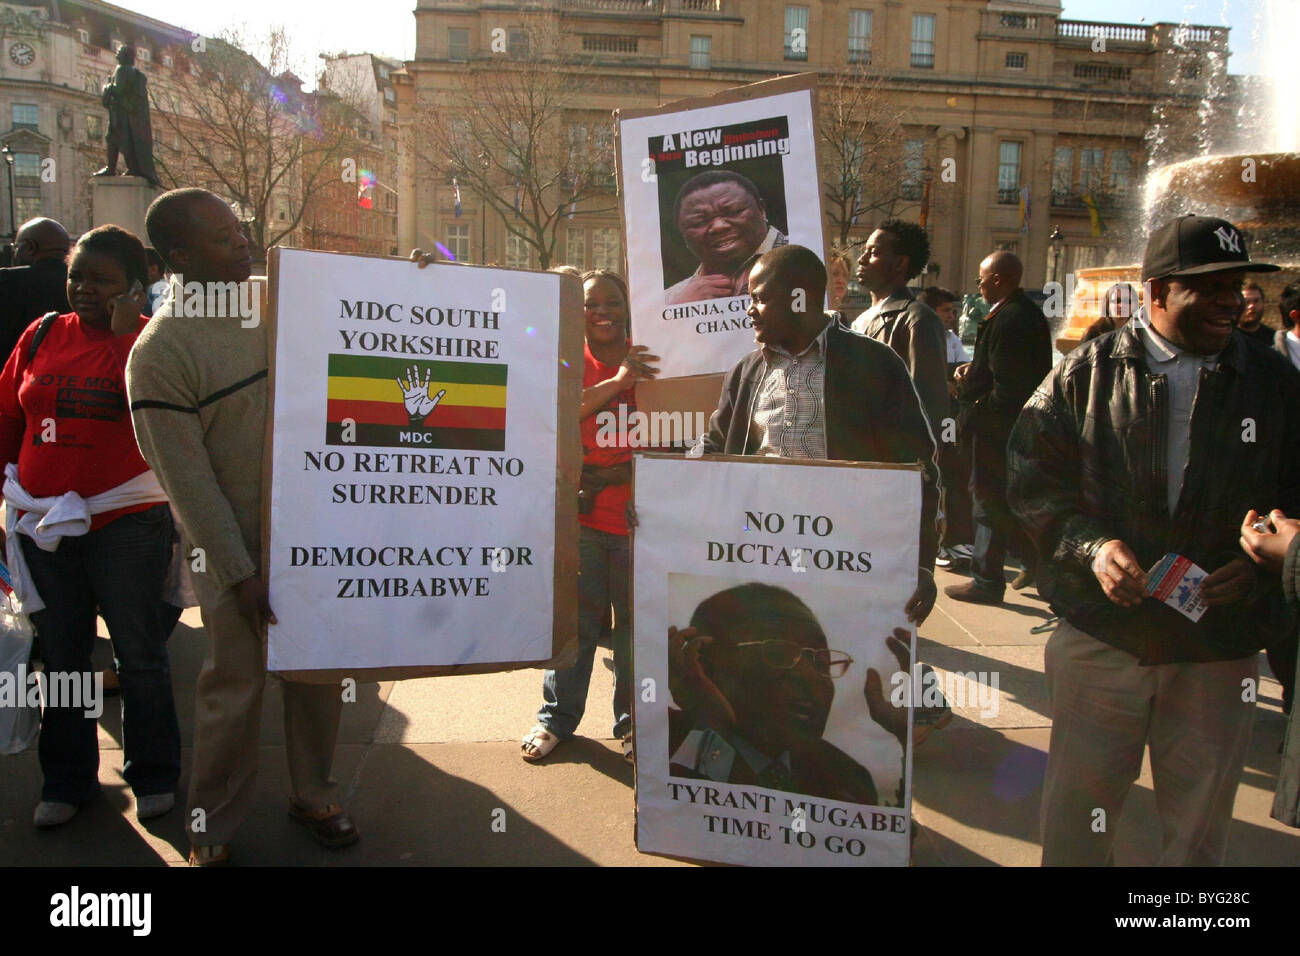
(227, 724)
(1106, 708)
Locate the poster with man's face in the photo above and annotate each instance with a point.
(772, 657)
(706, 191)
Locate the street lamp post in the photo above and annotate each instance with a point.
(486, 161)
(1057, 239)
(13, 213)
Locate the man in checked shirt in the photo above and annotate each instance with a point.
(814, 389)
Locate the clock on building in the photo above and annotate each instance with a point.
(22, 53)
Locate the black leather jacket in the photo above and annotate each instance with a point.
(1087, 464)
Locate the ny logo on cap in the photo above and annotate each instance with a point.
(1229, 239)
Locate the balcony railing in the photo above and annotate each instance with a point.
(1009, 196)
(1089, 30)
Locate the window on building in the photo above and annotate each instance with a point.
(518, 37)
(390, 96)
(1063, 176)
(458, 240)
(605, 250)
(26, 116)
(168, 60)
(1014, 21)
(923, 41)
(700, 52)
(796, 33)
(27, 169)
(518, 253)
(1090, 161)
(913, 165)
(390, 116)
(457, 44)
(603, 172)
(1017, 61)
(143, 54)
(1118, 175)
(383, 72)
(575, 247)
(517, 147)
(1009, 172)
(859, 36)
(85, 36)
(29, 207)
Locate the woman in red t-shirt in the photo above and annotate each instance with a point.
(611, 368)
(64, 421)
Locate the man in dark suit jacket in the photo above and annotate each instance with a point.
(850, 400)
(1013, 353)
(37, 283)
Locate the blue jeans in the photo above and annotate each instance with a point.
(118, 569)
(604, 571)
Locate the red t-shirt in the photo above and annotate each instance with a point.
(610, 511)
(75, 392)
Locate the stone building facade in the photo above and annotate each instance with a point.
(1003, 94)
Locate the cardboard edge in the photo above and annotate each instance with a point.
(776, 86)
(564, 634)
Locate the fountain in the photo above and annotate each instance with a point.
(1257, 191)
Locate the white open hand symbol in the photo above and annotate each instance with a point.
(416, 393)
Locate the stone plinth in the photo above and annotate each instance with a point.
(121, 201)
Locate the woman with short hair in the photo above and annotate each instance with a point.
(89, 529)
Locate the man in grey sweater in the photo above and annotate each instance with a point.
(197, 387)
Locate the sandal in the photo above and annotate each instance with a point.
(537, 743)
(215, 854)
(330, 826)
(629, 753)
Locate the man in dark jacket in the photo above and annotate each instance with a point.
(1013, 351)
(37, 283)
(1156, 439)
(817, 390)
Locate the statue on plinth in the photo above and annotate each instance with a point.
(126, 98)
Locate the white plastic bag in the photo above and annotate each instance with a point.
(20, 716)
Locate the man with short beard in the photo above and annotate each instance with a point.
(723, 222)
(1251, 322)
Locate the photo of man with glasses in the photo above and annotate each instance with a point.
(753, 679)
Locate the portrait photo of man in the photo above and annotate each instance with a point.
(721, 218)
(754, 679)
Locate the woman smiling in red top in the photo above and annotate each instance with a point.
(612, 367)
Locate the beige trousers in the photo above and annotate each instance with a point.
(227, 724)
(1106, 709)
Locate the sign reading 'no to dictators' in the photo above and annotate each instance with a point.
(769, 633)
(424, 452)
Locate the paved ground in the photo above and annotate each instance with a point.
(425, 765)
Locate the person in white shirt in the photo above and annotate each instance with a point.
(954, 462)
(1287, 342)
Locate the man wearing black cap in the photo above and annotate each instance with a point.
(1156, 439)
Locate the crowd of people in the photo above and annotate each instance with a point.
(133, 438)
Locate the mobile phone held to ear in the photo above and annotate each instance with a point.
(137, 289)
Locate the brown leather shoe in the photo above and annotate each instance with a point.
(330, 826)
(972, 593)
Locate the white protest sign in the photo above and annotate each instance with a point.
(706, 189)
(419, 420)
(775, 731)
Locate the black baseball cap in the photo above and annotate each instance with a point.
(1194, 245)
